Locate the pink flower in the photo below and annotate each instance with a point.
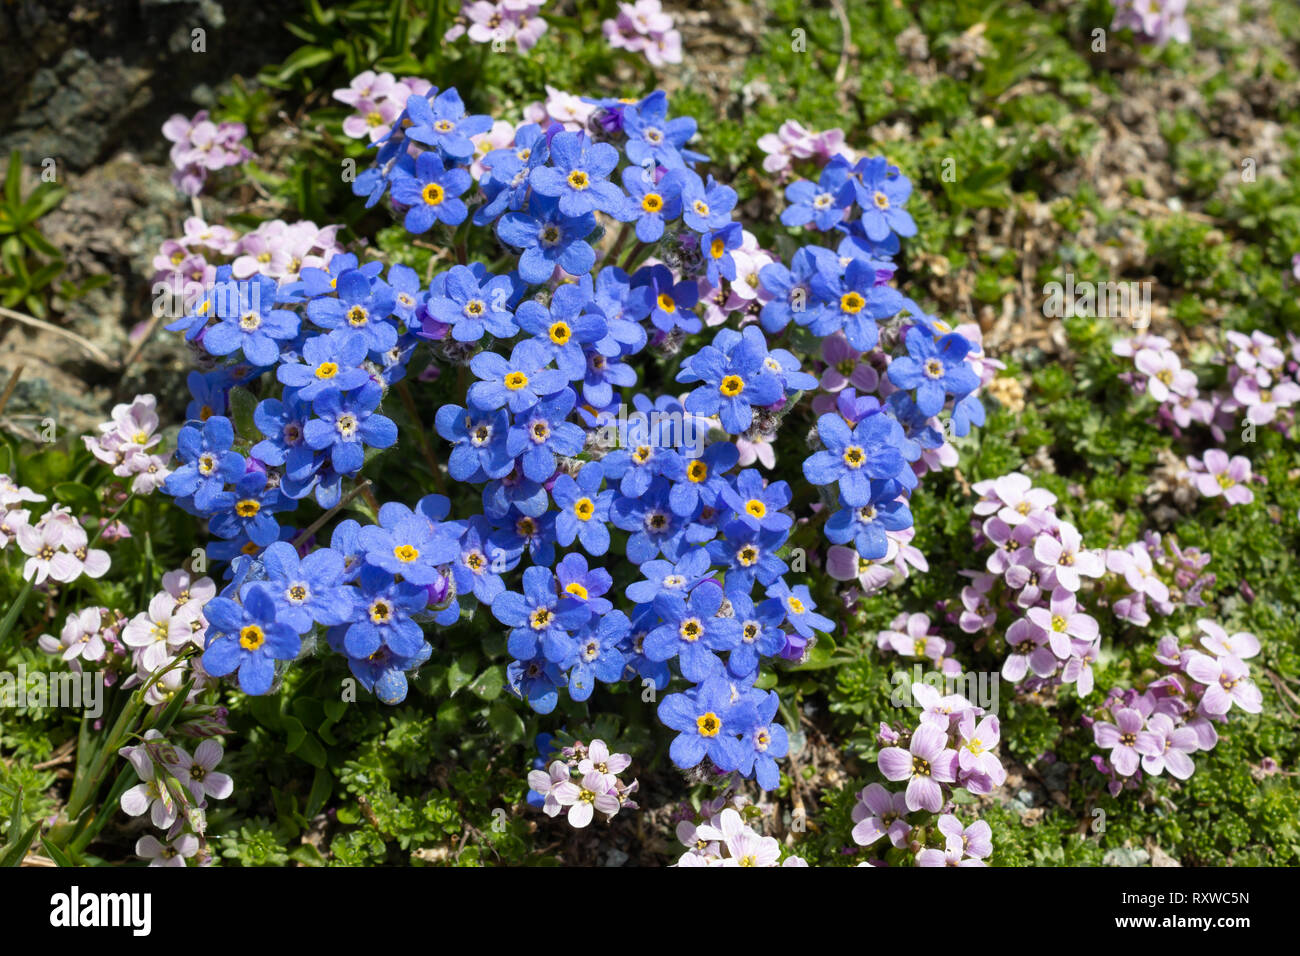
(927, 763)
(978, 742)
(155, 632)
(585, 798)
(1222, 476)
(1134, 562)
(1120, 740)
(173, 854)
(197, 774)
(1164, 747)
(545, 783)
(1078, 669)
(976, 840)
(1025, 643)
(879, 812)
(1066, 558)
(603, 762)
(1242, 645)
(1062, 621)
(1226, 683)
(1165, 374)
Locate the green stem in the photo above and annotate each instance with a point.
(11, 617)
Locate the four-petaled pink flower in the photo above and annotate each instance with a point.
(927, 763)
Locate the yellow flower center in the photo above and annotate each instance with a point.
(584, 509)
(652, 202)
(578, 179)
(854, 456)
(852, 303)
(516, 380)
(577, 590)
(327, 370)
(251, 637)
(756, 507)
(732, 385)
(433, 194)
(247, 508)
(708, 724)
(406, 553)
(666, 303)
(697, 471)
(560, 333)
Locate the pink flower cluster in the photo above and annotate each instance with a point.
(202, 146)
(1157, 569)
(793, 143)
(187, 267)
(1161, 728)
(125, 440)
(378, 99)
(90, 635)
(1262, 389)
(499, 22)
(174, 790)
(719, 836)
(952, 746)
(597, 786)
(57, 546)
(1155, 21)
(644, 27)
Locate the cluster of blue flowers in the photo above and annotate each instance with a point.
(548, 342)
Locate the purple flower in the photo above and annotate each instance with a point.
(1226, 683)
(927, 763)
(1121, 740)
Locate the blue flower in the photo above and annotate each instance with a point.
(823, 204)
(706, 206)
(432, 194)
(653, 527)
(407, 544)
(537, 681)
(853, 302)
(539, 618)
(480, 443)
(480, 564)
(344, 422)
(565, 328)
(208, 463)
(362, 306)
(852, 458)
(623, 307)
(709, 721)
(882, 193)
(865, 525)
(333, 364)
(578, 176)
(652, 138)
(652, 203)
(699, 481)
(443, 124)
(505, 184)
(736, 380)
(248, 323)
(671, 302)
(748, 555)
(587, 586)
(209, 392)
(308, 590)
(519, 532)
(583, 509)
(644, 620)
(515, 491)
(760, 633)
(758, 504)
(384, 618)
(405, 283)
(764, 742)
(692, 632)
(667, 577)
(548, 239)
(934, 369)
(248, 638)
(718, 247)
(800, 609)
(282, 423)
(541, 433)
(519, 383)
(967, 412)
(383, 673)
(598, 656)
(474, 305)
(249, 513)
(793, 297)
(602, 375)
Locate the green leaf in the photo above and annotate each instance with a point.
(55, 854)
(488, 685)
(13, 179)
(307, 855)
(461, 672)
(295, 733)
(322, 785)
(242, 405)
(14, 855)
(506, 722)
